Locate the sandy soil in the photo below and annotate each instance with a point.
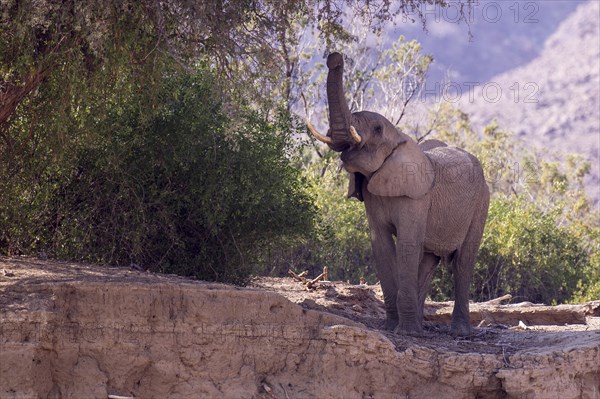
(364, 304)
(360, 303)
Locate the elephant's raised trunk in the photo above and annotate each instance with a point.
(339, 113)
(341, 133)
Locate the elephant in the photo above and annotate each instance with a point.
(425, 203)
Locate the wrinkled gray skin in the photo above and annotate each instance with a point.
(424, 203)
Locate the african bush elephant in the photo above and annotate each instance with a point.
(424, 203)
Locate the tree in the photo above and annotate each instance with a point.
(78, 39)
(374, 74)
(178, 188)
(81, 80)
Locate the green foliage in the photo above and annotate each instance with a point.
(105, 157)
(340, 239)
(109, 153)
(525, 253)
(73, 50)
(380, 75)
(177, 189)
(588, 288)
(541, 241)
(247, 41)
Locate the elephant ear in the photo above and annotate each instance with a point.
(355, 182)
(406, 172)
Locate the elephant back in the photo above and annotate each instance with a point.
(431, 144)
(455, 167)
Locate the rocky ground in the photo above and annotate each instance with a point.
(501, 329)
(73, 330)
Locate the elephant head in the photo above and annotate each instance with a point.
(371, 146)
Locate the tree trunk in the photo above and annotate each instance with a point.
(13, 95)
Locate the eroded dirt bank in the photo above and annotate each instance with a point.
(75, 331)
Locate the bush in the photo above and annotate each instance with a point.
(541, 240)
(178, 189)
(340, 239)
(525, 253)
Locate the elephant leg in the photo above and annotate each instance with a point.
(426, 271)
(462, 273)
(464, 263)
(384, 252)
(409, 254)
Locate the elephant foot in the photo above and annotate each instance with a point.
(413, 330)
(389, 324)
(461, 329)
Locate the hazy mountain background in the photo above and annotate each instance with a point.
(558, 102)
(504, 34)
(541, 58)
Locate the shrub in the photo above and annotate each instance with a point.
(340, 239)
(524, 252)
(178, 188)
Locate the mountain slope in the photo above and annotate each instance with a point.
(553, 101)
(506, 35)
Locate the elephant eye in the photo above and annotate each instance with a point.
(378, 129)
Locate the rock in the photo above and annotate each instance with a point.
(93, 332)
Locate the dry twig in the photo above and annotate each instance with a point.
(298, 277)
(301, 277)
(312, 282)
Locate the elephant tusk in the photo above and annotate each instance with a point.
(355, 136)
(318, 136)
